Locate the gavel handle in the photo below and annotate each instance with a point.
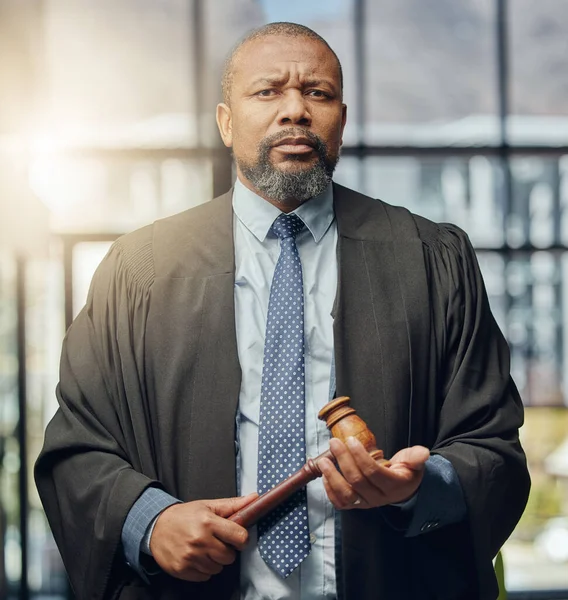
(268, 501)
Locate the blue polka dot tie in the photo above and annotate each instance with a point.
(284, 537)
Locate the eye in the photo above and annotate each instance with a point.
(318, 94)
(266, 93)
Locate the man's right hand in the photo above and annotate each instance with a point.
(195, 540)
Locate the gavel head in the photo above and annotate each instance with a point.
(343, 422)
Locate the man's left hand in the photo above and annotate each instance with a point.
(361, 482)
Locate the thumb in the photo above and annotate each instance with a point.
(413, 458)
(225, 507)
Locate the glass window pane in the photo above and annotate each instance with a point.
(349, 172)
(539, 72)
(118, 73)
(539, 213)
(430, 72)
(527, 293)
(225, 22)
(20, 29)
(535, 327)
(10, 551)
(44, 333)
(492, 265)
(536, 555)
(114, 194)
(464, 191)
(86, 258)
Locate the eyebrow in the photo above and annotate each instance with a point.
(280, 81)
(267, 80)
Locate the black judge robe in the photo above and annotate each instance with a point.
(150, 382)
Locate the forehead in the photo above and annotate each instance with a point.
(281, 55)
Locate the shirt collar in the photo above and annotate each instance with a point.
(257, 215)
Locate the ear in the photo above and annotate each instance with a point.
(225, 124)
(343, 121)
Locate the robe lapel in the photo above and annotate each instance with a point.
(211, 466)
(413, 277)
(197, 280)
(370, 327)
(218, 374)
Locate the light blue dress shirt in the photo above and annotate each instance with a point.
(439, 500)
(256, 253)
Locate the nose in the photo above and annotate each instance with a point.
(294, 109)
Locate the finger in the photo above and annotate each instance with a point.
(377, 484)
(368, 466)
(381, 478)
(222, 554)
(204, 564)
(336, 501)
(384, 478)
(225, 507)
(357, 478)
(229, 533)
(340, 493)
(400, 480)
(218, 551)
(345, 460)
(331, 494)
(193, 575)
(414, 458)
(207, 556)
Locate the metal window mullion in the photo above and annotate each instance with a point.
(359, 38)
(22, 421)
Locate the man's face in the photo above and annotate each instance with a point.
(286, 117)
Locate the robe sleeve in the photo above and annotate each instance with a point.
(480, 410)
(97, 454)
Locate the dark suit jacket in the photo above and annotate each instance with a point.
(150, 383)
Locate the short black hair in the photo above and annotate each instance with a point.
(278, 28)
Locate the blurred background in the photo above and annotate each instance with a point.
(458, 110)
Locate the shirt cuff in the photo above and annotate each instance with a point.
(139, 525)
(439, 500)
(145, 543)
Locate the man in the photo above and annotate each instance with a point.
(211, 339)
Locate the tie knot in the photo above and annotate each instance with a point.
(287, 226)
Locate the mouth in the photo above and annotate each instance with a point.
(292, 145)
(296, 146)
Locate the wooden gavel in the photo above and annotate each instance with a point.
(343, 422)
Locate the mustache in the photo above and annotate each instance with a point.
(318, 144)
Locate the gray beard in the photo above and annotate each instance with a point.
(286, 186)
